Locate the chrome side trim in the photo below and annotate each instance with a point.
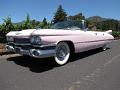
(42, 46)
(94, 41)
(21, 44)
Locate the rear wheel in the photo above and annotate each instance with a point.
(105, 47)
(62, 53)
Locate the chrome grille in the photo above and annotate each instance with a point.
(22, 40)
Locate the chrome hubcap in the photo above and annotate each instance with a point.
(61, 52)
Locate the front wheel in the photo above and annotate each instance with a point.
(62, 53)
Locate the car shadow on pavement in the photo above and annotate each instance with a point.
(34, 64)
(45, 64)
(85, 54)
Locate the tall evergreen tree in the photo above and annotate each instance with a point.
(27, 24)
(45, 22)
(60, 15)
(27, 18)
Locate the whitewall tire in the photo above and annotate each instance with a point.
(105, 47)
(62, 53)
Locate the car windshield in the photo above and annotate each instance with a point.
(76, 25)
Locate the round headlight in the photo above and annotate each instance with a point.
(35, 40)
(10, 39)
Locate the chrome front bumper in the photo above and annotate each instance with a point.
(37, 53)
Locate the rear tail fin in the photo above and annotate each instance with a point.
(109, 31)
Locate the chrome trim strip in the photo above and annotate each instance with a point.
(52, 35)
(94, 41)
(21, 44)
(42, 46)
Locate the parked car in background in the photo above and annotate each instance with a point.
(61, 41)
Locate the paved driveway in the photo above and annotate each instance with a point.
(92, 70)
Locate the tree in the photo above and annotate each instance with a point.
(41, 25)
(18, 27)
(0, 31)
(27, 19)
(0, 27)
(119, 26)
(77, 17)
(27, 24)
(35, 23)
(90, 24)
(109, 24)
(60, 15)
(45, 22)
(7, 26)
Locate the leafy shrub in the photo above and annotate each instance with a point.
(116, 33)
(2, 40)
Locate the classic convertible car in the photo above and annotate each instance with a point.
(64, 39)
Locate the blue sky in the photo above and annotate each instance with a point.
(38, 9)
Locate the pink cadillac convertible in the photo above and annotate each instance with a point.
(61, 41)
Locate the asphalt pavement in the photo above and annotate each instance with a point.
(91, 70)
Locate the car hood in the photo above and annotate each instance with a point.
(55, 32)
(42, 32)
(49, 32)
(26, 32)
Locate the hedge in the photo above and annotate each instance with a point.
(116, 34)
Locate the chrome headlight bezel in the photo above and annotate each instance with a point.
(10, 39)
(35, 40)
